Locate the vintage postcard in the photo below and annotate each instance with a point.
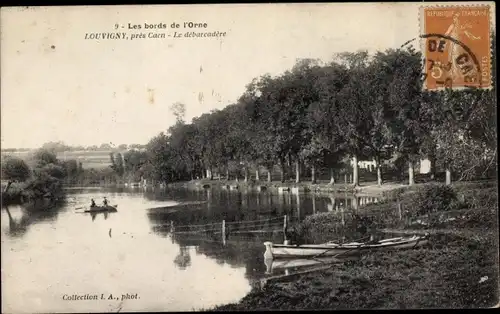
(321, 156)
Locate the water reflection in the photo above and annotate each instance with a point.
(183, 259)
(94, 215)
(22, 217)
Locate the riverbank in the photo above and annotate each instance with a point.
(369, 188)
(458, 268)
(32, 192)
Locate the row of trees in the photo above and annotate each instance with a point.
(317, 115)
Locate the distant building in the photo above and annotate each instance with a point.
(425, 166)
(371, 165)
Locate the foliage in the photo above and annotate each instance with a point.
(15, 169)
(434, 197)
(44, 157)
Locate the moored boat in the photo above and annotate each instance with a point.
(333, 249)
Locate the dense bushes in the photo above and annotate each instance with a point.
(330, 226)
(44, 181)
(434, 197)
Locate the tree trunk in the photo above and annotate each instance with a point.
(227, 173)
(257, 175)
(246, 174)
(448, 176)
(411, 175)
(379, 172)
(282, 172)
(297, 172)
(269, 175)
(355, 179)
(313, 174)
(314, 204)
(332, 177)
(211, 177)
(432, 166)
(355, 203)
(8, 186)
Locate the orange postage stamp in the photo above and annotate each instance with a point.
(457, 51)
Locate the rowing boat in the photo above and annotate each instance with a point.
(289, 263)
(100, 209)
(333, 249)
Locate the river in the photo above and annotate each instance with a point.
(129, 260)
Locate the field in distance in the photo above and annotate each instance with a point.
(89, 159)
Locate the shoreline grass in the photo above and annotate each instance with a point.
(458, 268)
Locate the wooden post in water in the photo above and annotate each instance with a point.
(224, 232)
(285, 226)
(172, 229)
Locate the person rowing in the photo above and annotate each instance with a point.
(105, 201)
(92, 203)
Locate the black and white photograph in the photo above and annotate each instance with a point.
(243, 157)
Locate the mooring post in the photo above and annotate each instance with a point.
(285, 225)
(224, 232)
(172, 229)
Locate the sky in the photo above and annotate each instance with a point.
(58, 86)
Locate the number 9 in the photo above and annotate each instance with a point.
(116, 26)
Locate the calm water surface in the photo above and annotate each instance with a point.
(49, 257)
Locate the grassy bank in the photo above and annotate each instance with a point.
(458, 268)
(452, 272)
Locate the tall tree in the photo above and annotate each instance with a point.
(408, 124)
(353, 112)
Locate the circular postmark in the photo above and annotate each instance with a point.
(448, 63)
